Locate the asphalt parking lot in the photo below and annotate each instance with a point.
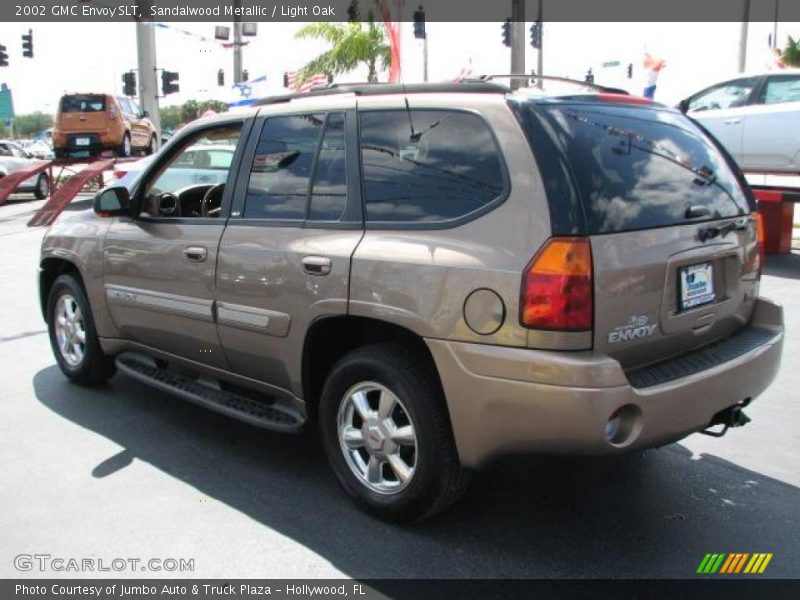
(126, 471)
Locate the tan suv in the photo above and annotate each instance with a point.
(87, 124)
(434, 274)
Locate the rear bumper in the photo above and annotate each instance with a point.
(513, 400)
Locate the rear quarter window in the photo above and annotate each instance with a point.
(83, 103)
(428, 166)
(630, 168)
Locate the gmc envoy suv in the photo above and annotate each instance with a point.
(434, 274)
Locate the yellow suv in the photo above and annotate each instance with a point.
(91, 123)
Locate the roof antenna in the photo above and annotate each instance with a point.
(414, 136)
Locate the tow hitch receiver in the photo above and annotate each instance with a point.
(733, 416)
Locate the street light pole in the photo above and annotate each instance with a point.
(425, 57)
(540, 54)
(237, 42)
(743, 37)
(517, 41)
(146, 63)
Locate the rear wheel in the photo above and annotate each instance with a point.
(386, 432)
(73, 336)
(152, 146)
(42, 189)
(124, 149)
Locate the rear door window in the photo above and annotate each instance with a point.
(627, 168)
(731, 94)
(781, 88)
(83, 103)
(278, 187)
(428, 166)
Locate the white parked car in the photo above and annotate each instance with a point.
(38, 149)
(756, 118)
(13, 158)
(198, 164)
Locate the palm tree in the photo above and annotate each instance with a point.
(351, 45)
(791, 54)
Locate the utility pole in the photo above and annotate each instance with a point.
(146, 59)
(517, 41)
(743, 37)
(237, 42)
(775, 25)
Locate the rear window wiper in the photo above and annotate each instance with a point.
(712, 231)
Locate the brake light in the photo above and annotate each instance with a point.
(112, 113)
(120, 174)
(557, 287)
(760, 240)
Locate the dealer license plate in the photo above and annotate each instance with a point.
(696, 285)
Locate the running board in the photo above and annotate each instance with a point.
(260, 414)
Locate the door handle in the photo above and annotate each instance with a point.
(195, 253)
(732, 121)
(317, 265)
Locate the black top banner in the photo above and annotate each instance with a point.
(400, 10)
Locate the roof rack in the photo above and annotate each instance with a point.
(475, 86)
(531, 78)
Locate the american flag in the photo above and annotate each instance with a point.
(293, 82)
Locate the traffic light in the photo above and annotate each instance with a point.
(630, 70)
(169, 82)
(220, 78)
(536, 34)
(129, 84)
(419, 23)
(245, 76)
(352, 12)
(507, 33)
(27, 44)
(3, 56)
(589, 76)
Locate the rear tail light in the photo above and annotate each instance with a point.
(119, 174)
(760, 240)
(112, 113)
(557, 287)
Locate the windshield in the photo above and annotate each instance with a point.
(628, 168)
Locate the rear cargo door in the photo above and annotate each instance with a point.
(83, 113)
(673, 242)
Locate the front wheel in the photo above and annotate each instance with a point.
(386, 431)
(42, 189)
(73, 336)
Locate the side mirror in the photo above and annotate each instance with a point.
(113, 202)
(683, 105)
(145, 114)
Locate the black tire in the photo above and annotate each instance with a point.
(151, 147)
(125, 149)
(42, 189)
(438, 478)
(95, 366)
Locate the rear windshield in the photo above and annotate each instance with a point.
(84, 103)
(616, 168)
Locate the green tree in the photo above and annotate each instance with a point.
(29, 125)
(352, 44)
(215, 105)
(791, 53)
(189, 111)
(170, 117)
